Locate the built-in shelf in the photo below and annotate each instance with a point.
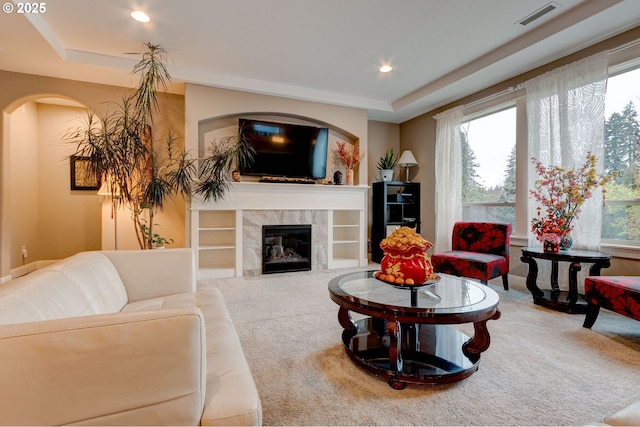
(346, 237)
(217, 231)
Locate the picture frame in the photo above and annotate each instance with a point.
(83, 174)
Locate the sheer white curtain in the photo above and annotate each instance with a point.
(565, 110)
(448, 172)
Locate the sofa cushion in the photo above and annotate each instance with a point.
(81, 285)
(210, 301)
(476, 265)
(231, 397)
(627, 416)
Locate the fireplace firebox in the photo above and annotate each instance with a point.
(286, 248)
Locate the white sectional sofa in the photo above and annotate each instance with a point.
(121, 338)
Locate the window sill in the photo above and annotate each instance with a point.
(621, 251)
(615, 249)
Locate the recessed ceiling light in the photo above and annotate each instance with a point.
(385, 68)
(140, 16)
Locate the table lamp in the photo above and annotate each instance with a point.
(407, 160)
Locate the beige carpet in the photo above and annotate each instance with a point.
(542, 368)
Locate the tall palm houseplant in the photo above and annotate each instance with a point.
(140, 175)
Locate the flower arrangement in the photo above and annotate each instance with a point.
(562, 192)
(349, 158)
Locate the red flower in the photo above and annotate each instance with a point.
(562, 193)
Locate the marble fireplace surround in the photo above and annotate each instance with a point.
(337, 214)
(253, 220)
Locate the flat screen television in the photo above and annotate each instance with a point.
(285, 150)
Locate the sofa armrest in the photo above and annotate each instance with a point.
(140, 368)
(150, 274)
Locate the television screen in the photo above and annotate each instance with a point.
(285, 150)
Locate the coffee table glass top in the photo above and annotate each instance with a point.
(451, 295)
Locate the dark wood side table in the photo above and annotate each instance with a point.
(554, 298)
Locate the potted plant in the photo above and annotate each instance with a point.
(157, 241)
(142, 175)
(386, 164)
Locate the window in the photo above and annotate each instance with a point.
(489, 167)
(621, 220)
(492, 136)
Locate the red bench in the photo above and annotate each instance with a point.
(620, 294)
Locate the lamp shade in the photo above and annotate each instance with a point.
(107, 188)
(104, 189)
(407, 159)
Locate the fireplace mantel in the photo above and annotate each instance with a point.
(222, 232)
(284, 196)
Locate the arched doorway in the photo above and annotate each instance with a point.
(43, 219)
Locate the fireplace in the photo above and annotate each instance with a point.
(286, 248)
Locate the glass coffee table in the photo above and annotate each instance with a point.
(404, 335)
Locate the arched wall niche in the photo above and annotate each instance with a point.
(42, 219)
(46, 98)
(215, 128)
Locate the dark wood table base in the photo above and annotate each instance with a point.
(561, 301)
(566, 301)
(414, 353)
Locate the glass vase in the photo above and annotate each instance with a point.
(349, 177)
(566, 242)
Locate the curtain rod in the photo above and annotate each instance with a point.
(506, 91)
(520, 86)
(624, 47)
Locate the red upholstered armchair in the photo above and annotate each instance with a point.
(480, 250)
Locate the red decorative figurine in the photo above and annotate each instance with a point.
(405, 260)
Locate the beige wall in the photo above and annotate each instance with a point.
(68, 221)
(418, 135)
(23, 185)
(29, 150)
(382, 136)
(47, 218)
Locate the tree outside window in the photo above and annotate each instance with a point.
(622, 154)
(489, 167)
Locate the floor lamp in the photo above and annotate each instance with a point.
(407, 160)
(103, 192)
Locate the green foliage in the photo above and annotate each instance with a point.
(389, 160)
(508, 191)
(622, 145)
(472, 189)
(139, 175)
(156, 240)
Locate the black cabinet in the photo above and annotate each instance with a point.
(394, 204)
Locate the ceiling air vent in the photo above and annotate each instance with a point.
(549, 7)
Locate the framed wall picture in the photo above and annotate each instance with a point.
(83, 174)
